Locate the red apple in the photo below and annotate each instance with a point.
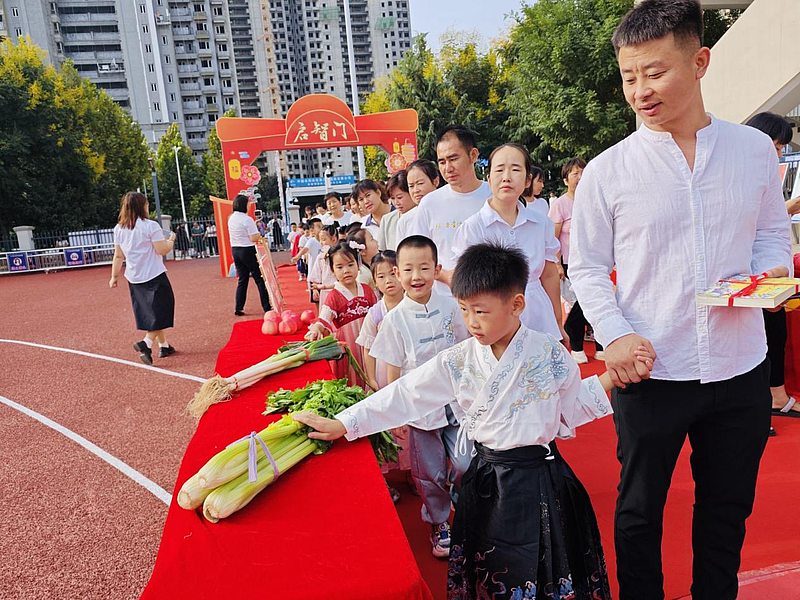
(308, 317)
(272, 315)
(287, 313)
(269, 328)
(295, 318)
(287, 327)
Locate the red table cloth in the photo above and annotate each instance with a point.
(325, 529)
(792, 364)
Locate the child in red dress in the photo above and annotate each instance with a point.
(344, 309)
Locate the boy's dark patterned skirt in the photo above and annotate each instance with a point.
(524, 528)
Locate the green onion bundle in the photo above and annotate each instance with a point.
(219, 389)
(235, 475)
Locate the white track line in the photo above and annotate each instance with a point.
(108, 358)
(125, 469)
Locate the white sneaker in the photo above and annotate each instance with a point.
(600, 355)
(299, 278)
(580, 357)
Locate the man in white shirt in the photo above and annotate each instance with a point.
(335, 212)
(683, 202)
(442, 211)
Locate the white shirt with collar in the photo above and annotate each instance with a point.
(413, 333)
(240, 227)
(389, 230)
(535, 236)
(329, 219)
(673, 232)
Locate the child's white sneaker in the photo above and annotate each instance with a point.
(580, 357)
(600, 355)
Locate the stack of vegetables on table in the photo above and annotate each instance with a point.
(219, 389)
(232, 478)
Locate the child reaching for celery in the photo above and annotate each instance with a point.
(345, 308)
(523, 521)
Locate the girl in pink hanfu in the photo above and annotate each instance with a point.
(344, 309)
(320, 276)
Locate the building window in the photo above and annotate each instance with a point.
(156, 106)
(222, 47)
(224, 65)
(14, 11)
(211, 100)
(205, 63)
(151, 68)
(172, 97)
(148, 48)
(228, 101)
(169, 78)
(153, 87)
(203, 45)
(53, 9)
(208, 81)
(219, 29)
(226, 83)
(202, 27)
(167, 59)
(56, 27)
(143, 9)
(18, 32)
(164, 40)
(217, 10)
(145, 29)
(174, 116)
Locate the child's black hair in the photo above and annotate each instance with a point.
(775, 126)
(419, 241)
(384, 256)
(332, 230)
(343, 247)
(490, 269)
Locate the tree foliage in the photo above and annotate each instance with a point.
(67, 152)
(565, 78)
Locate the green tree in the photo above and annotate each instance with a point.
(67, 152)
(197, 202)
(565, 84)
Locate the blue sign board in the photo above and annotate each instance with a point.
(320, 181)
(74, 257)
(17, 261)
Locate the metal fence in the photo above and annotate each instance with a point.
(196, 238)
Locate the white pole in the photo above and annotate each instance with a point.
(180, 187)
(353, 84)
(284, 210)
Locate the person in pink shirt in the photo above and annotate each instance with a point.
(561, 214)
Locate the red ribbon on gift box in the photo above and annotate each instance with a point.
(755, 281)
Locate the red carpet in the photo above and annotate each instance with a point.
(326, 529)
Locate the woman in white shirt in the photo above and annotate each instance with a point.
(244, 235)
(140, 242)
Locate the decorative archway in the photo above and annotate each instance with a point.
(314, 121)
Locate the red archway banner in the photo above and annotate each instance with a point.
(314, 121)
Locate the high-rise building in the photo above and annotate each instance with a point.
(188, 61)
(308, 41)
(166, 61)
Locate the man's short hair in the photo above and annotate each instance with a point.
(419, 241)
(654, 19)
(490, 268)
(776, 127)
(464, 135)
(571, 164)
(314, 221)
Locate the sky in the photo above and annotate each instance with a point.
(437, 16)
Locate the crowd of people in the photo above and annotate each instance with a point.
(451, 293)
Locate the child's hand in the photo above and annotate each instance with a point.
(326, 429)
(315, 332)
(643, 356)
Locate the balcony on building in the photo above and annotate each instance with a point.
(180, 14)
(190, 86)
(111, 70)
(182, 33)
(198, 124)
(200, 16)
(212, 108)
(163, 18)
(188, 69)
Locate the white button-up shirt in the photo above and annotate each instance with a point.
(672, 232)
(533, 234)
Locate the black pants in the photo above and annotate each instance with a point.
(777, 334)
(246, 263)
(727, 423)
(576, 324)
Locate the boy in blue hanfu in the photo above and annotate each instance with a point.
(524, 526)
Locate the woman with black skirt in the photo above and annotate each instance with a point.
(141, 243)
(244, 235)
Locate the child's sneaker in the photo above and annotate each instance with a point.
(440, 540)
(580, 357)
